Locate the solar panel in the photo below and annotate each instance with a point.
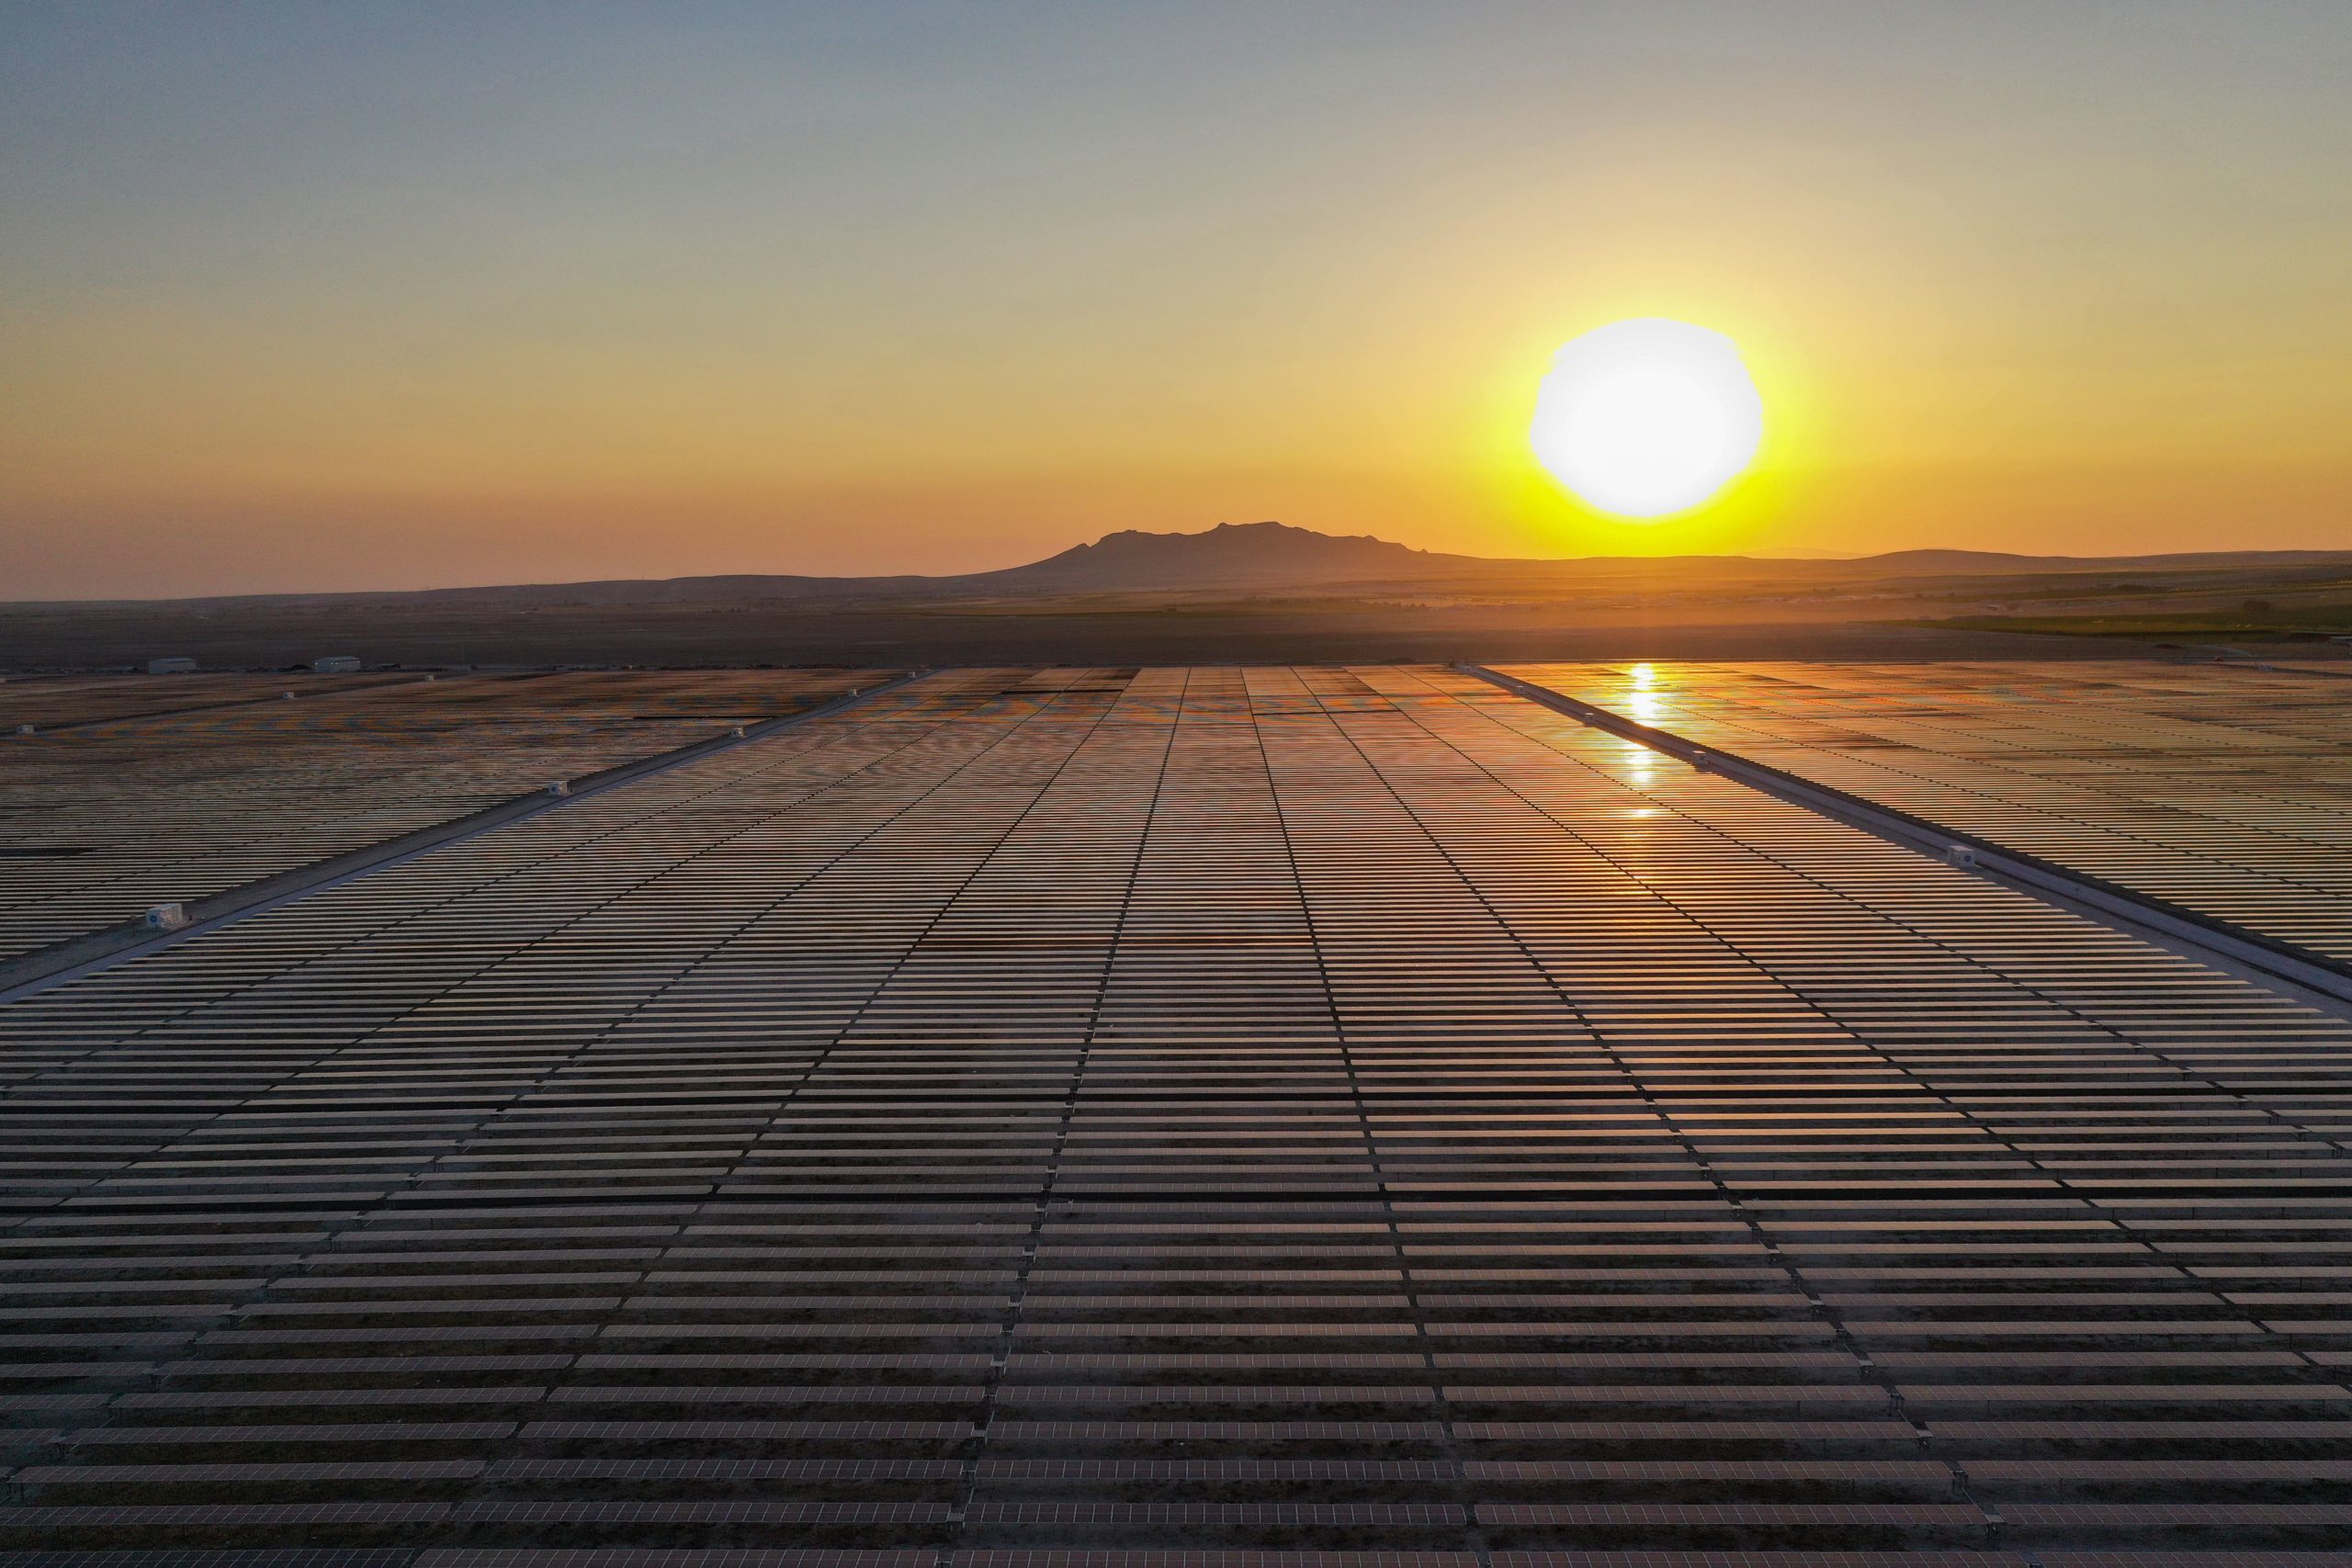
(2217, 787)
(135, 791)
(1220, 1118)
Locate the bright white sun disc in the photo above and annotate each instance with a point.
(1647, 417)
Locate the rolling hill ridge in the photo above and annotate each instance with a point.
(1270, 556)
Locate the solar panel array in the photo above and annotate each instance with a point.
(47, 702)
(1204, 1118)
(2220, 788)
(118, 803)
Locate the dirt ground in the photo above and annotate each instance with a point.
(99, 637)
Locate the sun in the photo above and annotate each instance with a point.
(1647, 417)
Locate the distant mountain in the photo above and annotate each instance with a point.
(1230, 554)
(1272, 557)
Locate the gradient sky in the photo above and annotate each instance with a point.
(392, 294)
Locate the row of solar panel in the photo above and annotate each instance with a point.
(2217, 787)
(111, 803)
(1737, 1179)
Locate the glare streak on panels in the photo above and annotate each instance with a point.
(1334, 1112)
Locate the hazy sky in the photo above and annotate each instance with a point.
(393, 294)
